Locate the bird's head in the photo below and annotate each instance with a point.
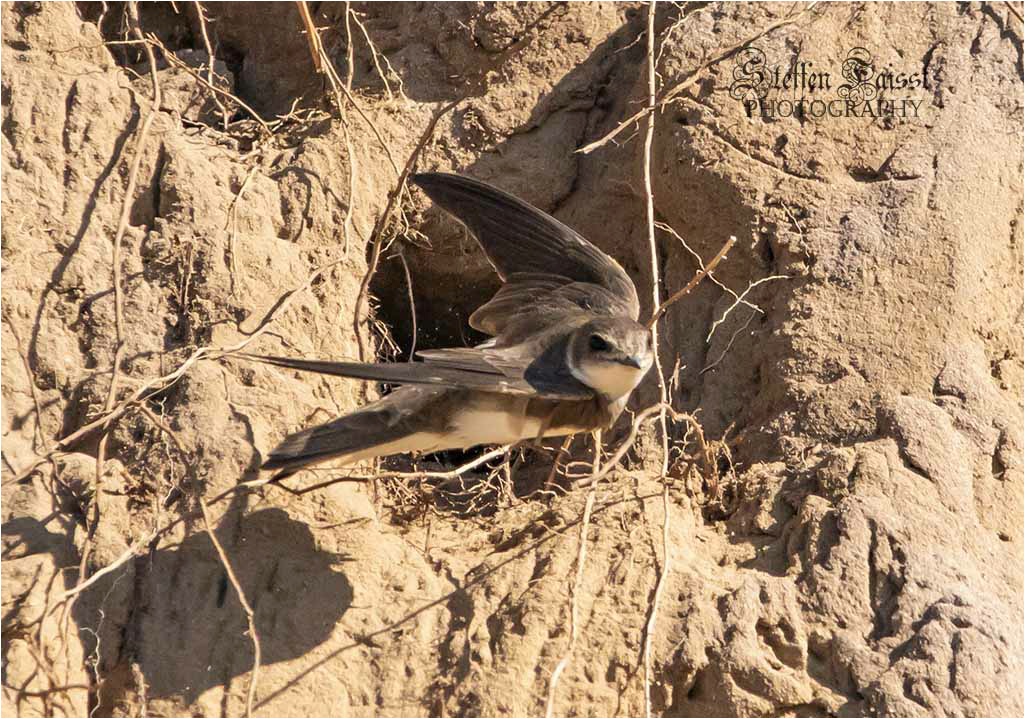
(610, 355)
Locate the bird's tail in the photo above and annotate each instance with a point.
(390, 425)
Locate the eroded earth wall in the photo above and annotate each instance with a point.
(863, 554)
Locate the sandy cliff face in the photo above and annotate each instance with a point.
(863, 554)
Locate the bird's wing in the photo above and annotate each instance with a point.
(539, 363)
(531, 302)
(542, 261)
(555, 280)
(507, 372)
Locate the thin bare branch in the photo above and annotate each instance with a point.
(1014, 11)
(740, 299)
(649, 630)
(39, 434)
(729, 345)
(93, 509)
(377, 236)
(312, 37)
(373, 54)
(173, 59)
(412, 301)
(343, 88)
(350, 50)
(210, 66)
(555, 462)
(720, 256)
(671, 93)
(649, 196)
(666, 227)
(574, 621)
(250, 614)
(159, 384)
(627, 443)
(232, 227)
(351, 154)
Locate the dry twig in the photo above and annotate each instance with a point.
(154, 386)
(250, 615)
(153, 40)
(340, 88)
(663, 395)
(210, 66)
(324, 64)
(667, 228)
(172, 59)
(729, 345)
(126, 208)
(574, 622)
(38, 435)
(649, 630)
(93, 509)
(374, 54)
(232, 227)
(627, 443)
(670, 94)
(312, 37)
(377, 236)
(347, 133)
(350, 50)
(652, 245)
(555, 462)
(412, 301)
(707, 269)
(740, 299)
(351, 154)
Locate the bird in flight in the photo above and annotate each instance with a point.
(566, 349)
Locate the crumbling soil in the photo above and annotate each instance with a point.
(859, 551)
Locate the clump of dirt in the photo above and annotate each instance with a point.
(863, 552)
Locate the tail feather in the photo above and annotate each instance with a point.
(390, 425)
(328, 441)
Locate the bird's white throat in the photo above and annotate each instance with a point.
(612, 379)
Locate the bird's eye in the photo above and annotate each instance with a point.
(598, 343)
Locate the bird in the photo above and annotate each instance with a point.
(565, 352)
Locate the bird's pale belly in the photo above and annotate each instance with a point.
(485, 419)
(500, 419)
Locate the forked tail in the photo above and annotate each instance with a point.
(390, 425)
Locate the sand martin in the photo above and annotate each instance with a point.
(565, 352)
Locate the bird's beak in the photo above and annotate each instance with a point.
(633, 362)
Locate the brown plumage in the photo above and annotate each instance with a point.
(565, 354)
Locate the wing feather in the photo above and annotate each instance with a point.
(533, 253)
(475, 373)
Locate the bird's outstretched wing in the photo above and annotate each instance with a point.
(549, 269)
(502, 372)
(555, 280)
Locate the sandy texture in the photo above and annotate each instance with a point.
(862, 557)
